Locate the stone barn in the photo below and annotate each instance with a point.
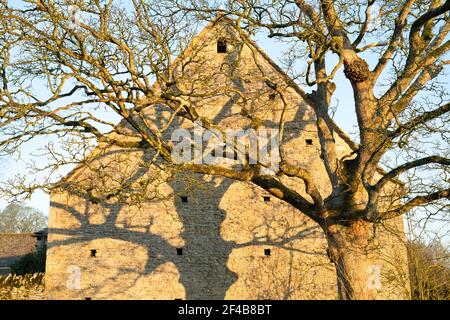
(123, 227)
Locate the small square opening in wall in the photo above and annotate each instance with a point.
(93, 253)
(184, 199)
(221, 46)
(266, 199)
(267, 252)
(309, 142)
(88, 298)
(179, 251)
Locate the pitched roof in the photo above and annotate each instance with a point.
(281, 72)
(222, 18)
(293, 85)
(284, 76)
(16, 244)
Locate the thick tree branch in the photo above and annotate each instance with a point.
(417, 201)
(365, 25)
(305, 175)
(394, 173)
(400, 24)
(417, 121)
(282, 192)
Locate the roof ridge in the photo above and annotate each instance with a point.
(223, 18)
(353, 145)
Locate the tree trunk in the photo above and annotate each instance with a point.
(350, 249)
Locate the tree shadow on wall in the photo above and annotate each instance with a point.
(202, 263)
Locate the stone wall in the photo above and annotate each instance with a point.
(193, 236)
(26, 287)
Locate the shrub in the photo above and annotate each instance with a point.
(31, 263)
(429, 271)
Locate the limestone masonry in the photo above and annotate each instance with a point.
(124, 228)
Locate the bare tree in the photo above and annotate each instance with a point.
(429, 271)
(18, 218)
(110, 57)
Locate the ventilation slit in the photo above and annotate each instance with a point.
(221, 46)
